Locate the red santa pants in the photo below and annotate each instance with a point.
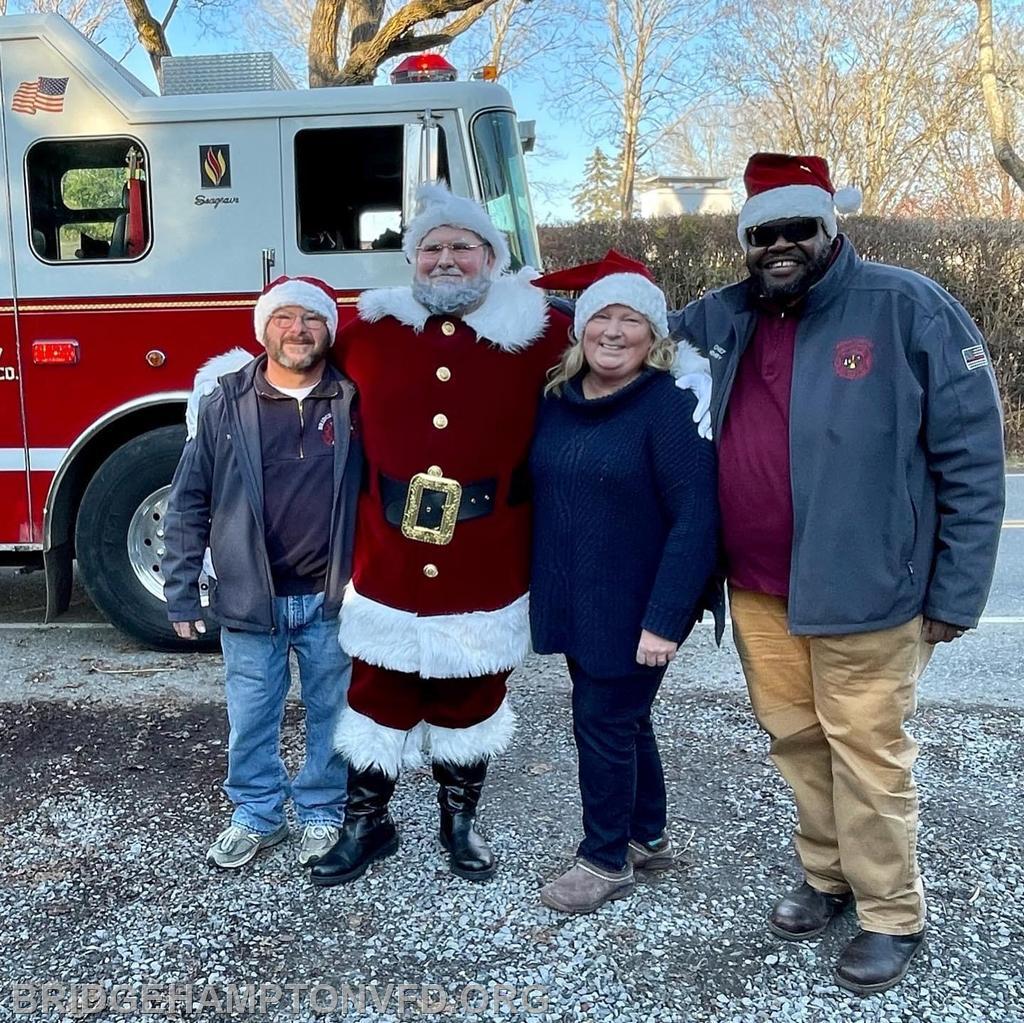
(401, 699)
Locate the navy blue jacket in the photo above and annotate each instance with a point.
(625, 522)
(896, 445)
(217, 500)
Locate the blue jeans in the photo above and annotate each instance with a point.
(622, 786)
(258, 678)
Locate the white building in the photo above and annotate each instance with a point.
(670, 196)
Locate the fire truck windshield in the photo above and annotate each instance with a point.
(499, 158)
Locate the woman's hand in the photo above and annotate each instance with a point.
(654, 651)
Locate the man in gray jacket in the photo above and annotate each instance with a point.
(269, 484)
(861, 482)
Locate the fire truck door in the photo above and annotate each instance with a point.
(348, 184)
(15, 515)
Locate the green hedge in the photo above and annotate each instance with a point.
(981, 262)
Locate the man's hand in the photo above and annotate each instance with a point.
(189, 630)
(941, 632)
(654, 651)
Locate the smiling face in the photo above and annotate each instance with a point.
(616, 341)
(296, 339)
(786, 269)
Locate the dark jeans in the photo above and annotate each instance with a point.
(622, 785)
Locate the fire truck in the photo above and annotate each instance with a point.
(136, 232)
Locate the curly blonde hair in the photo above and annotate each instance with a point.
(661, 356)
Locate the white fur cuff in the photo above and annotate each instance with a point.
(366, 744)
(463, 746)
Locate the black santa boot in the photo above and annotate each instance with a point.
(459, 788)
(368, 832)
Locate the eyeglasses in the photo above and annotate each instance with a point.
(308, 320)
(460, 250)
(764, 235)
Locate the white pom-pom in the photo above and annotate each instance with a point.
(847, 200)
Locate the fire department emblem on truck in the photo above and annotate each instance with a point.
(214, 166)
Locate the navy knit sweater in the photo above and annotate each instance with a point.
(625, 521)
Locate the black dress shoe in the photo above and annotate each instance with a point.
(367, 834)
(805, 913)
(875, 962)
(459, 788)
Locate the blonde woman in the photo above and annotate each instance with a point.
(625, 539)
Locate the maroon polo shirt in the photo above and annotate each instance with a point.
(753, 459)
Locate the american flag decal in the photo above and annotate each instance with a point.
(974, 356)
(42, 94)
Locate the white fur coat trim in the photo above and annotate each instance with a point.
(206, 382)
(513, 314)
(435, 646)
(464, 746)
(365, 744)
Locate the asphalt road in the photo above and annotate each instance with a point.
(981, 668)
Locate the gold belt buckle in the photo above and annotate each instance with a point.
(418, 485)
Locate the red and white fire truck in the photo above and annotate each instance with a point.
(136, 232)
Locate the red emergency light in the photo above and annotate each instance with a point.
(55, 353)
(423, 67)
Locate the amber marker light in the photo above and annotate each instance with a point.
(155, 359)
(55, 353)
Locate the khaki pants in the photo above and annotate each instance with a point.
(835, 708)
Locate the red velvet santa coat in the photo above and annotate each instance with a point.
(459, 609)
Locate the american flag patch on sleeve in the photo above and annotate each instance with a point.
(974, 356)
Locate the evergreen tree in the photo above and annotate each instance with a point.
(597, 196)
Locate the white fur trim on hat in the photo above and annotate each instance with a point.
(437, 207)
(300, 293)
(633, 290)
(789, 201)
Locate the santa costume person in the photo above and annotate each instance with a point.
(449, 372)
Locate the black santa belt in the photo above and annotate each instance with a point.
(427, 507)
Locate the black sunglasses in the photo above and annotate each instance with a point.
(793, 231)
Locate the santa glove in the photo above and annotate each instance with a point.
(693, 373)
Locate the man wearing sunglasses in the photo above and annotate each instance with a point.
(861, 481)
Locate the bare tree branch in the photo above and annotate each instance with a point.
(396, 36)
(1005, 154)
(150, 31)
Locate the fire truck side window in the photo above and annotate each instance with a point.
(88, 200)
(349, 187)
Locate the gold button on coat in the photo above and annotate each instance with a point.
(447, 328)
(440, 420)
(444, 373)
(430, 571)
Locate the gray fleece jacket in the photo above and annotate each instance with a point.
(896, 445)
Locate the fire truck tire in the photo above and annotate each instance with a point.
(117, 537)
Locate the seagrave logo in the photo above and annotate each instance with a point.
(214, 166)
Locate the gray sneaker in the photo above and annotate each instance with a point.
(235, 845)
(657, 855)
(317, 841)
(586, 887)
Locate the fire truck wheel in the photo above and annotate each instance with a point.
(119, 534)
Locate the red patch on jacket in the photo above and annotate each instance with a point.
(853, 358)
(326, 428)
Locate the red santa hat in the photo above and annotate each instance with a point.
(782, 187)
(614, 280)
(308, 292)
(437, 207)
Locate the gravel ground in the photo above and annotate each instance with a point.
(106, 808)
